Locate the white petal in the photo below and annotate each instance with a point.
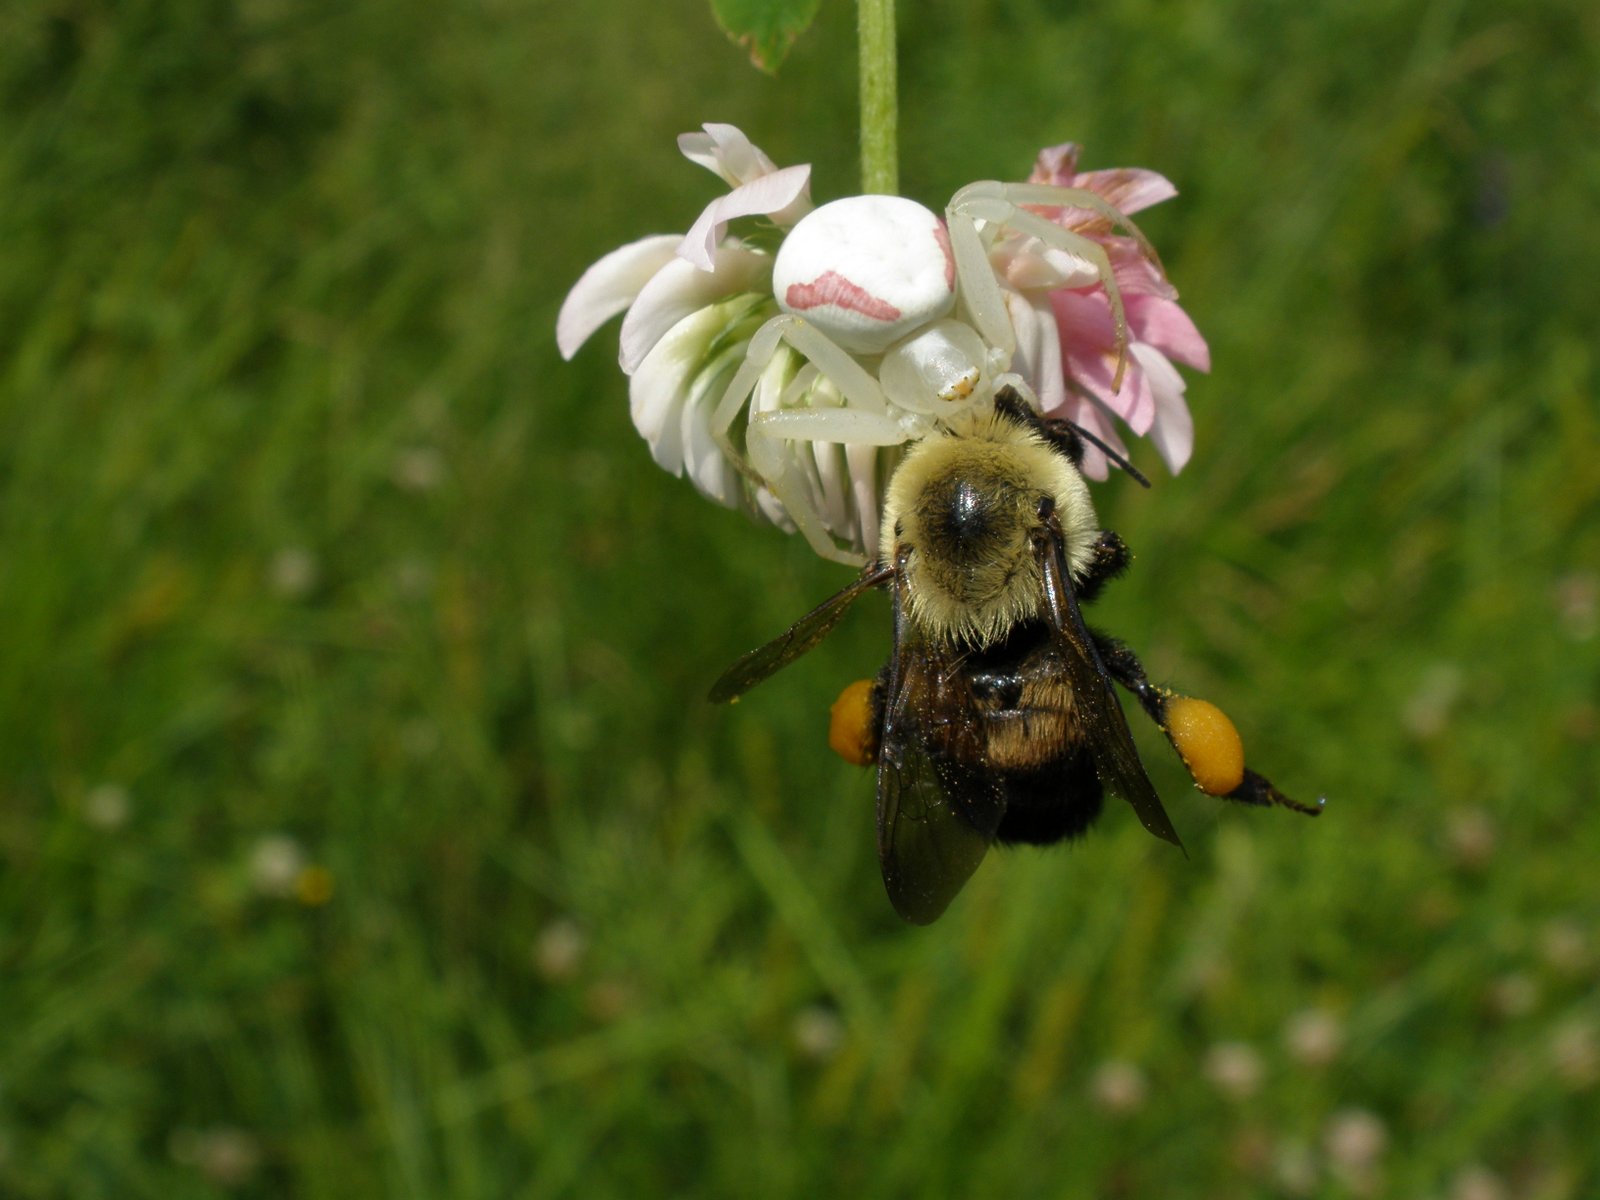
(704, 461)
(678, 289)
(767, 506)
(1038, 356)
(777, 193)
(863, 463)
(830, 474)
(724, 150)
(608, 287)
(660, 387)
(1173, 430)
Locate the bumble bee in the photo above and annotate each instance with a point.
(995, 718)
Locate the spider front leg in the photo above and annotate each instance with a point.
(863, 419)
(1204, 737)
(1000, 204)
(850, 377)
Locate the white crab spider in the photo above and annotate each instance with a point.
(869, 288)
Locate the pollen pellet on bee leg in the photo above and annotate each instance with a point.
(850, 728)
(1207, 742)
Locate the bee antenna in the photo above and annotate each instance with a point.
(1109, 453)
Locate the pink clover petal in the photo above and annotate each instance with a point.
(780, 194)
(608, 287)
(1163, 325)
(726, 152)
(1038, 355)
(1127, 189)
(1057, 165)
(1135, 274)
(1173, 432)
(1088, 348)
(659, 388)
(1085, 413)
(679, 289)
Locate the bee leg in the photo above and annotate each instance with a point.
(1111, 558)
(1124, 666)
(1211, 754)
(1258, 790)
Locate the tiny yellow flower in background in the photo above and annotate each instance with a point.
(313, 886)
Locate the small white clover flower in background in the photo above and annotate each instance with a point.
(418, 469)
(1514, 994)
(1471, 837)
(1119, 1087)
(817, 1032)
(1234, 1069)
(1294, 1168)
(1478, 1182)
(1564, 945)
(1354, 1140)
(1314, 1037)
(276, 861)
(107, 806)
(293, 572)
(225, 1155)
(1575, 1052)
(559, 950)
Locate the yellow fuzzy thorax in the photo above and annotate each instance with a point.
(963, 508)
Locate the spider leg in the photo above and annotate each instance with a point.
(1001, 204)
(975, 280)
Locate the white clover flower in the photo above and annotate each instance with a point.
(1314, 1037)
(107, 806)
(692, 303)
(1234, 1069)
(789, 384)
(1119, 1087)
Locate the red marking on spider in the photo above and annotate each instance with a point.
(941, 234)
(833, 288)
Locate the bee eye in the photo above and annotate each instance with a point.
(1047, 508)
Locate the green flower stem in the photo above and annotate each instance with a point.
(880, 167)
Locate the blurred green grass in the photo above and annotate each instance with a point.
(314, 555)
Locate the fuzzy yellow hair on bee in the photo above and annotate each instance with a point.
(962, 512)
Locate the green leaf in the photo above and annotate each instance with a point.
(765, 28)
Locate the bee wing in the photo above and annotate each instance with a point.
(1116, 759)
(800, 637)
(938, 807)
